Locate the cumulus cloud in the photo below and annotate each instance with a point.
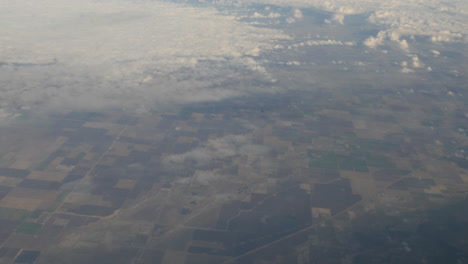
(416, 62)
(321, 42)
(339, 18)
(294, 63)
(269, 15)
(440, 20)
(405, 67)
(374, 42)
(97, 54)
(403, 44)
(297, 14)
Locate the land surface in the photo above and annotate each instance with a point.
(274, 134)
(322, 175)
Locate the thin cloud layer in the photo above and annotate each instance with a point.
(96, 54)
(220, 148)
(216, 150)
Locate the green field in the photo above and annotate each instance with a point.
(331, 160)
(28, 228)
(14, 214)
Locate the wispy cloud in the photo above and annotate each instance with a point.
(207, 158)
(218, 149)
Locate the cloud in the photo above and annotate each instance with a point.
(297, 14)
(442, 21)
(295, 63)
(403, 44)
(339, 18)
(416, 63)
(436, 53)
(92, 54)
(375, 41)
(97, 54)
(216, 150)
(327, 42)
(209, 157)
(269, 15)
(205, 177)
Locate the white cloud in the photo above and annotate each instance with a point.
(339, 18)
(416, 62)
(205, 177)
(96, 54)
(404, 67)
(294, 63)
(403, 44)
(436, 53)
(269, 15)
(441, 20)
(327, 42)
(406, 70)
(374, 42)
(217, 149)
(297, 14)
